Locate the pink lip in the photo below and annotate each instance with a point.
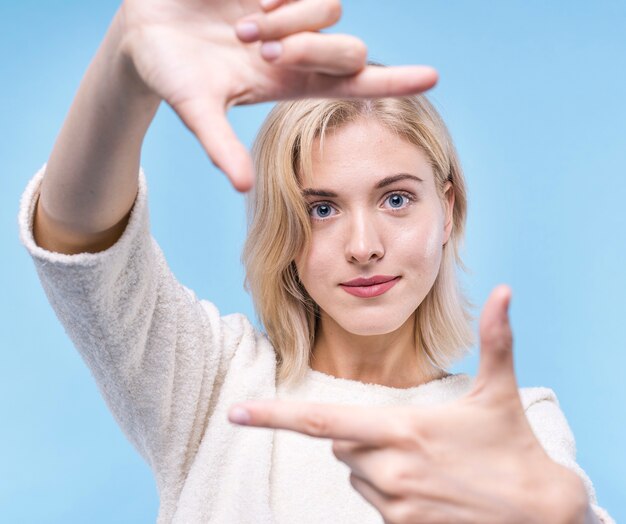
(376, 279)
(369, 287)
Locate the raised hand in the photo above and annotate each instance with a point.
(472, 460)
(194, 55)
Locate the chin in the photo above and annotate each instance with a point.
(369, 331)
(367, 326)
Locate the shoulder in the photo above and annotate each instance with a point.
(547, 419)
(553, 431)
(536, 395)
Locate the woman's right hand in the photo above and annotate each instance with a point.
(197, 56)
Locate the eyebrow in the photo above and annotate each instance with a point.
(388, 180)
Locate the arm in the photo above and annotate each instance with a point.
(157, 353)
(159, 51)
(475, 459)
(91, 181)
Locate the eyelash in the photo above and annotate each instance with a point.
(410, 197)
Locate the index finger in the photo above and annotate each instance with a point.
(375, 81)
(368, 425)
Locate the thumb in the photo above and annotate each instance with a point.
(208, 122)
(496, 373)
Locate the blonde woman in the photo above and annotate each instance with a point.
(356, 218)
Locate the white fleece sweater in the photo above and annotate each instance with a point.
(169, 367)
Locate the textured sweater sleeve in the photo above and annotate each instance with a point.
(553, 432)
(157, 353)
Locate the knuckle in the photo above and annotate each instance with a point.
(360, 53)
(407, 480)
(273, 25)
(407, 435)
(400, 481)
(389, 479)
(401, 512)
(356, 54)
(500, 338)
(270, 27)
(340, 449)
(315, 424)
(353, 481)
(332, 11)
(295, 54)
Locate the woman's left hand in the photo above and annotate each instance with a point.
(473, 460)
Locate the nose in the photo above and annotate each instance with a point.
(363, 243)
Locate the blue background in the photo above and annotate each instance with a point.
(533, 93)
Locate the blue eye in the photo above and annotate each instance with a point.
(399, 200)
(396, 200)
(320, 211)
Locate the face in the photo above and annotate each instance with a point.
(378, 224)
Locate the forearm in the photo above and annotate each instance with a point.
(91, 177)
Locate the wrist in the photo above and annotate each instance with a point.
(117, 52)
(570, 501)
(550, 492)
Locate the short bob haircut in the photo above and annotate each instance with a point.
(279, 225)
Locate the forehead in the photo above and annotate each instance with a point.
(361, 153)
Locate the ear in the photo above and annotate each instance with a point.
(448, 209)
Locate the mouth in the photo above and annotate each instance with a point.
(369, 287)
(376, 279)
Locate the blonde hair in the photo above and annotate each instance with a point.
(279, 225)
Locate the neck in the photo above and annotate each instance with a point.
(390, 360)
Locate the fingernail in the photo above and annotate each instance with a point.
(247, 31)
(266, 4)
(239, 416)
(271, 50)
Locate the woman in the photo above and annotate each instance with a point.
(356, 271)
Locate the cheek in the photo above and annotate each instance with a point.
(318, 262)
(433, 242)
(420, 246)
